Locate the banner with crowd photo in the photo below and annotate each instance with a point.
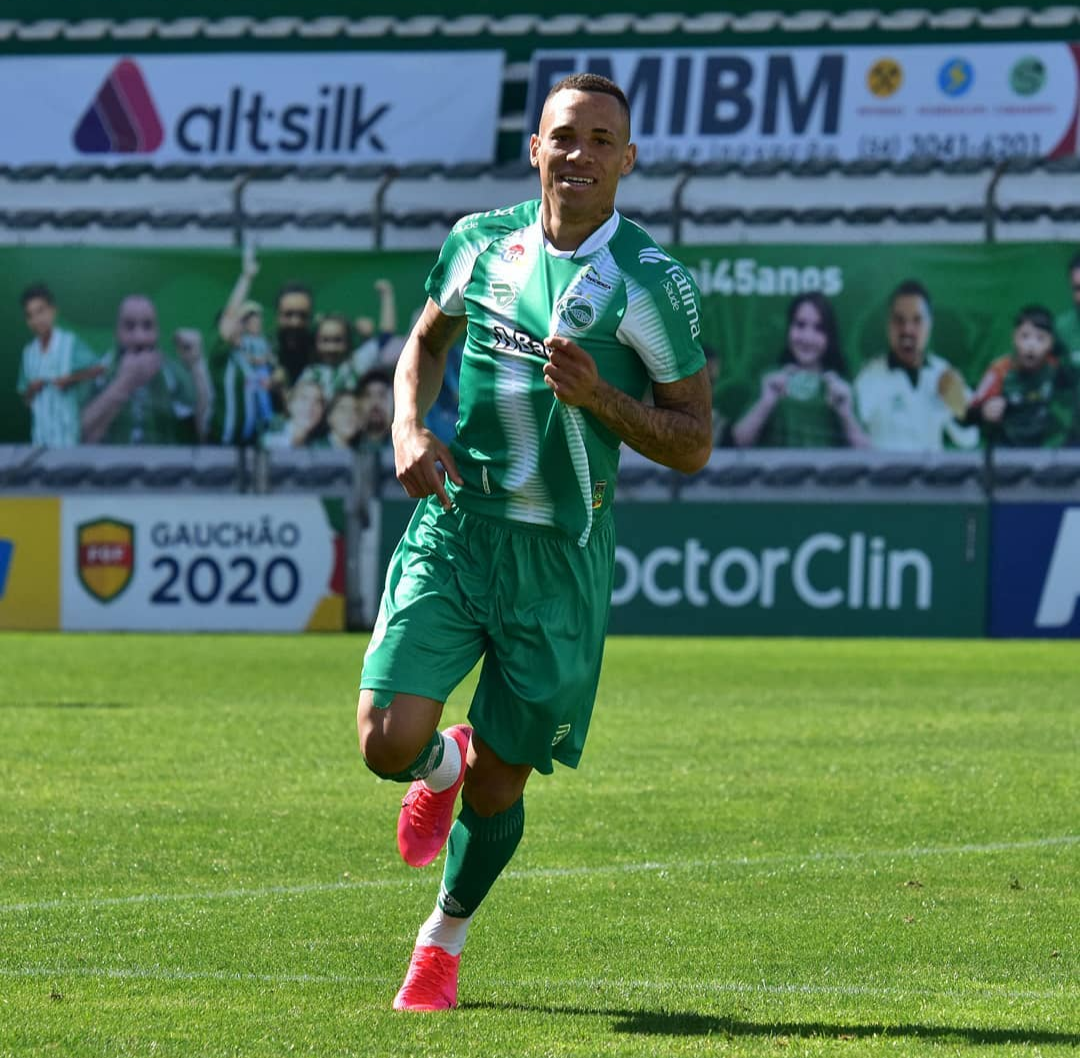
(975, 291)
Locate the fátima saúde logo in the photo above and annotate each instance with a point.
(7, 549)
(121, 118)
(106, 557)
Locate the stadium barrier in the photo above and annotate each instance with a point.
(766, 543)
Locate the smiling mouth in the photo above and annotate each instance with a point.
(576, 181)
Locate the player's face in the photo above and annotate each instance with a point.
(331, 342)
(806, 336)
(40, 317)
(909, 329)
(253, 323)
(1031, 345)
(582, 150)
(137, 326)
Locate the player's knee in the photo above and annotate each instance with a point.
(384, 750)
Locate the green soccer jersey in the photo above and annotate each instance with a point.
(524, 456)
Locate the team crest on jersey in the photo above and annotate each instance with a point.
(513, 254)
(505, 294)
(575, 311)
(106, 557)
(598, 490)
(652, 255)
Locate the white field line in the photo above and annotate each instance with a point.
(776, 860)
(158, 973)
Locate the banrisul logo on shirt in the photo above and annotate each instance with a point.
(575, 311)
(121, 118)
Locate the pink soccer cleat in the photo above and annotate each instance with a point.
(431, 983)
(425, 819)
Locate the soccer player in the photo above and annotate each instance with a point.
(54, 366)
(572, 314)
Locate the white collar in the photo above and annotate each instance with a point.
(598, 238)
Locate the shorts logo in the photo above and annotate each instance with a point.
(560, 733)
(505, 294)
(106, 557)
(122, 118)
(652, 255)
(598, 490)
(575, 311)
(7, 549)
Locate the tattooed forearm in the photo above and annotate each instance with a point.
(676, 432)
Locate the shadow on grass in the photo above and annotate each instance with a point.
(668, 1023)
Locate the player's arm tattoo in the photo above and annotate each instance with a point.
(676, 432)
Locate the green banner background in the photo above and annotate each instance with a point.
(976, 288)
(935, 551)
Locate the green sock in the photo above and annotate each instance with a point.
(477, 851)
(427, 760)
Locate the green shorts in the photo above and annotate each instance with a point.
(533, 604)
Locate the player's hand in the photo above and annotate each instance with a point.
(570, 372)
(35, 387)
(993, 409)
(422, 463)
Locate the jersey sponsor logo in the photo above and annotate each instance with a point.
(652, 255)
(105, 551)
(685, 290)
(591, 275)
(7, 549)
(575, 311)
(505, 294)
(122, 118)
(598, 490)
(518, 343)
(513, 254)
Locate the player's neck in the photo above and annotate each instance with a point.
(568, 233)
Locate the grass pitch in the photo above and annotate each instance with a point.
(772, 847)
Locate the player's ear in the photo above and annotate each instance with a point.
(630, 158)
(534, 151)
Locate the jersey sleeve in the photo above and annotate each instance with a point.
(662, 322)
(447, 280)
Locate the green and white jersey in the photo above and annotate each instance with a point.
(524, 456)
(55, 411)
